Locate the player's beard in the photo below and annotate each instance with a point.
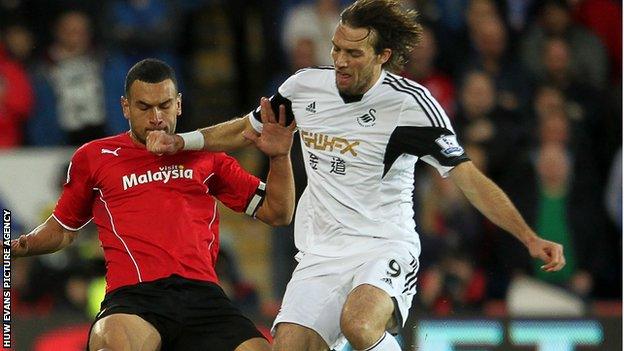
(137, 137)
(359, 85)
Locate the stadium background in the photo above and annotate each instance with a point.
(532, 87)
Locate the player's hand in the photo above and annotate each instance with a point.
(159, 142)
(276, 138)
(19, 247)
(549, 252)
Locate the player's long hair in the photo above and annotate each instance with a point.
(392, 26)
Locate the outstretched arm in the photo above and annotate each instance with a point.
(490, 200)
(48, 237)
(276, 141)
(226, 136)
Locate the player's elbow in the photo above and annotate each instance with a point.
(280, 220)
(284, 220)
(276, 217)
(68, 238)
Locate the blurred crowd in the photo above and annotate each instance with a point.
(533, 88)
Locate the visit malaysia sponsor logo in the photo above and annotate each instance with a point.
(164, 174)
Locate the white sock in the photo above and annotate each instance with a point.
(387, 342)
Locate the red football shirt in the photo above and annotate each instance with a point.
(156, 215)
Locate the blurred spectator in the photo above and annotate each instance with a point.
(303, 55)
(547, 99)
(554, 128)
(455, 44)
(586, 107)
(72, 100)
(555, 211)
(449, 14)
(315, 21)
(557, 62)
(478, 11)
(19, 43)
(421, 68)
(557, 127)
(519, 15)
(587, 54)
(16, 100)
(40, 15)
(482, 122)
(552, 188)
(604, 18)
(137, 29)
(490, 53)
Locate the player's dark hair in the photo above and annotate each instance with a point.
(393, 27)
(150, 71)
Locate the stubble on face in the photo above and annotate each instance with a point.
(354, 59)
(145, 100)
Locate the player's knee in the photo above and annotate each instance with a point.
(107, 335)
(361, 332)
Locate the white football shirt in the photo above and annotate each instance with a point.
(359, 154)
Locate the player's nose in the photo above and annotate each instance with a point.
(340, 60)
(156, 117)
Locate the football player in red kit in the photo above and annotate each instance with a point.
(158, 223)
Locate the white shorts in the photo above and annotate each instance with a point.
(319, 287)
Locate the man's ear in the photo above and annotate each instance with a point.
(179, 104)
(125, 107)
(384, 56)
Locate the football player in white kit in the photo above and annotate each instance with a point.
(362, 129)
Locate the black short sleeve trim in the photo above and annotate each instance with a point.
(276, 101)
(437, 142)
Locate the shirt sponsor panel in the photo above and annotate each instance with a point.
(164, 174)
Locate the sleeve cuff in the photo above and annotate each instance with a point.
(68, 227)
(257, 125)
(444, 170)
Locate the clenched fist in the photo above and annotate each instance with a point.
(549, 252)
(159, 142)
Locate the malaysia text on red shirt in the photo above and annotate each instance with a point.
(156, 215)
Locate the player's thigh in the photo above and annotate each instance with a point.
(295, 337)
(314, 299)
(368, 306)
(122, 331)
(382, 292)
